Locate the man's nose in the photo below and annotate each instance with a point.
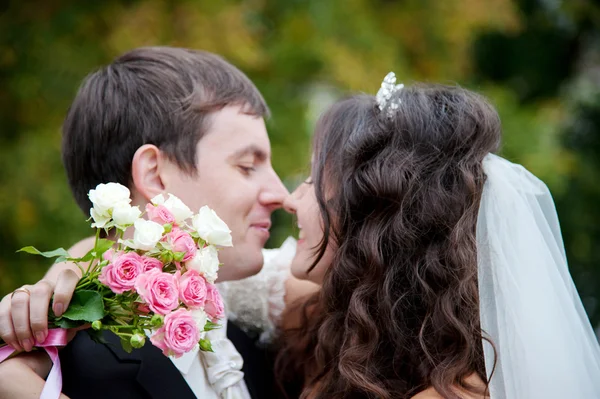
(274, 193)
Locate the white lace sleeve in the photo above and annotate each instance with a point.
(256, 303)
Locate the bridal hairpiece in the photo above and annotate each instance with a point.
(384, 95)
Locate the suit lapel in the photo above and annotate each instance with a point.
(157, 375)
(114, 345)
(257, 368)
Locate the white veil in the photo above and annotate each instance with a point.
(529, 307)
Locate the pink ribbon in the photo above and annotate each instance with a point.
(56, 337)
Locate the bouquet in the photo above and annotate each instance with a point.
(154, 278)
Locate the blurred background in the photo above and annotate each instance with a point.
(537, 60)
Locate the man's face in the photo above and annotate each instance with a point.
(236, 179)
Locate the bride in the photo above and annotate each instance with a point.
(436, 269)
(442, 267)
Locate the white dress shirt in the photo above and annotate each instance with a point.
(214, 375)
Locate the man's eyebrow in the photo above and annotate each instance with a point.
(251, 149)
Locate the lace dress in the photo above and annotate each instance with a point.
(256, 303)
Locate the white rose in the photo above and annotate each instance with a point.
(205, 262)
(147, 234)
(100, 220)
(179, 210)
(108, 196)
(125, 215)
(211, 228)
(200, 318)
(158, 200)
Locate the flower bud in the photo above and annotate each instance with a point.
(97, 325)
(156, 321)
(137, 340)
(166, 257)
(209, 326)
(205, 345)
(178, 256)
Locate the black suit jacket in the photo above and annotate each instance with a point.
(92, 370)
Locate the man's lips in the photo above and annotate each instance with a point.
(261, 225)
(262, 228)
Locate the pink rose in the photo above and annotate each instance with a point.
(108, 255)
(151, 263)
(192, 289)
(141, 308)
(183, 242)
(122, 273)
(159, 290)
(214, 304)
(178, 335)
(160, 214)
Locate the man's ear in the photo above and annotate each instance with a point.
(146, 169)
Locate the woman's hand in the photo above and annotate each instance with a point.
(24, 312)
(23, 376)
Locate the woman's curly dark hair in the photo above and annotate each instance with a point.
(398, 310)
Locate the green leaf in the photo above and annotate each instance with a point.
(126, 345)
(86, 305)
(49, 254)
(102, 246)
(85, 258)
(66, 323)
(211, 326)
(96, 336)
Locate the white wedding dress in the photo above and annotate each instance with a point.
(256, 303)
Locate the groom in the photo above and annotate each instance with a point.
(163, 120)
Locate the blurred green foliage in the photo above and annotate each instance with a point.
(537, 60)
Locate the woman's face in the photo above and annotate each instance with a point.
(303, 203)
